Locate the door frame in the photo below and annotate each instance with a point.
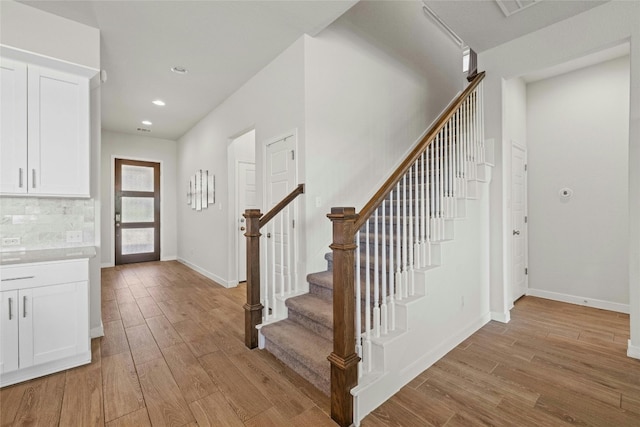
(525, 230)
(232, 203)
(237, 211)
(112, 204)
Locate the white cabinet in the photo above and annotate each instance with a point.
(45, 134)
(44, 319)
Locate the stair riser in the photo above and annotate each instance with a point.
(325, 331)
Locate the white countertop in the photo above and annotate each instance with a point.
(43, 255)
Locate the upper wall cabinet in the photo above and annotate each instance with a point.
(44, 146)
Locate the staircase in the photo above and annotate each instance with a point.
(402, 319)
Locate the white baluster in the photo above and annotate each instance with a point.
(288, 230)
(441, 183)
(383, 297)
(426, 249)
(282, 284)
(483, 151)
(264, 274)
(392, 303)
(294, 248)
(398, 220)
(432, 189)
(376, 277)
(358, 317)
(367, 299)
(274, 290)
(417, 193)
(405, 239)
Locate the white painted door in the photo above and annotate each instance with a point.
(13, 127)
(8, 331)
(281, 179)
(519, 220)
(246, 199)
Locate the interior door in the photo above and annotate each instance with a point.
(246, 181)
(281, 180)
(519, 221)
(137, 211)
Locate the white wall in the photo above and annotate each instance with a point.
(578, 133)
(558, 43)
(271, 103)
(163, 151)
(375, 79)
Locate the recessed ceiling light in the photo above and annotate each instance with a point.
(179, 70)
(146, 122)
(159, 103)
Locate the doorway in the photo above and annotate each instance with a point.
(242, 196)
(519, 220)
(137, 211)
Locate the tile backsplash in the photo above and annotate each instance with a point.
(45, 223)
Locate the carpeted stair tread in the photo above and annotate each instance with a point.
(306, 352)
(314, 307)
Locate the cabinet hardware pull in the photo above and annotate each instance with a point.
(10, 309)
(33, 178)
(18, 278)
(24, 306)
(19, 177)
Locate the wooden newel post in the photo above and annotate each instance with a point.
(253, 307)
(344, 359)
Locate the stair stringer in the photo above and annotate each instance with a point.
(454, 305)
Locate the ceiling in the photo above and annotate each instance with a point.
(223, 44)
(464, 16)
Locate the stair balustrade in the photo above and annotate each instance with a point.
(377, 251)
(267, 287)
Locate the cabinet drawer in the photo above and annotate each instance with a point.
(42, 274)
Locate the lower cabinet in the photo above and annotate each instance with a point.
(44, 319)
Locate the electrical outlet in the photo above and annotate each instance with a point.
(10, 241)
(74, 236)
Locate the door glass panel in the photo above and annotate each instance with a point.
(137, 209)
(137, 178)
(137, 240)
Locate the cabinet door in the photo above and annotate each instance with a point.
(58, 133)
(54, 322)
(8, 331)
(13, 127)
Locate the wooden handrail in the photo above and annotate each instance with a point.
(281, 205)
(370, 207)
(253, 307)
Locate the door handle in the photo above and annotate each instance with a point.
(268, 235)
(242, 228)
(10, 308)
(516, 232)
(24, 306)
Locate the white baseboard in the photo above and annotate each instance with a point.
(501, 317)
(633, 350)
(169, 258)
(219, 280)
(107, 265)
(97, 332)
(578, 300)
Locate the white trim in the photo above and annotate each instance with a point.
(633, 350)
(219, 280)
(169, 258)
(97, 332)
(236, 209)
(501, 317)
(14, 377)
(578, 300)
(107, 265)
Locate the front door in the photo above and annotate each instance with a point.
(137, 211)
(519, 221)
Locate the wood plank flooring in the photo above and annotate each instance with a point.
(173, 355)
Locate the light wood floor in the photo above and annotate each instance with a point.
(173, 354)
